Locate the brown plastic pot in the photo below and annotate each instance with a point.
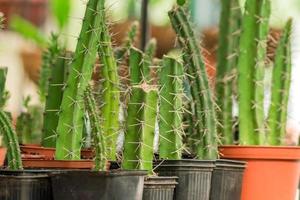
(2, 156)
(272, 173)
(47, 153)
(58, 164)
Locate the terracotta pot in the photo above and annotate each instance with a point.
(33, 10)
(47, 153)
(2, 156)
(58, 164)
(272, 173)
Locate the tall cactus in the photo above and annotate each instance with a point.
(170, 109)
(141, 117)
(250, 75)
(227, 59)
(56, 85)
(70, 124)
(280, 88)
(11, 141)
(3, 93)
(204, 109)
(110, 87)
(97, 132)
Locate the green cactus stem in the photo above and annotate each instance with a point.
(11, 141)
(280, 88)
(141, 117)
(253, 35)
(147, 61)
(203, 103)
(170, 109)
(49, 58)
(97, 132)
(227, 59)
(70, 124)
(56, 85)
(110, 90)
(3, 93)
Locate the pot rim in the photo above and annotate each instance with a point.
(240, 152)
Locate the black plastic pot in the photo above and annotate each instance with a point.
(159, 188)
(87, 185)
(227, 180)
(25, 185)
(194, 177)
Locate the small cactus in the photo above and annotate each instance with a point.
(70, 124)
(97, 132)
(170, 109)
(11, 141)
(203, 104)
(276, 123)
(3, 92)
(56, 85)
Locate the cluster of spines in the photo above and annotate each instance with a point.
(97, 133)
(110, 88)
(56, 85)
(204, 116)
(170, 109)
(141, 112)
(277, 117)
(11, 141)
(70, 124)
(251, 64)
(230, 20)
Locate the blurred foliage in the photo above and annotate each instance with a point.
(60, 10)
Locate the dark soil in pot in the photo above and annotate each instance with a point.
(194, 177)
(88, 185)
(25, 185)
(227, 180)
(159, 188)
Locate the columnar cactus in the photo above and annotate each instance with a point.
(97, 132)
(276, 126)
(170, 109)
(3, 93)
(11, 141)
(70, 124)
(251, 71)
(110, 88)
(56, 84)
(205, 121)
(226, 66)
(141, 116)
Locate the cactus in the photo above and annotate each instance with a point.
(203, 103)
(253, 40)
(49, 58)
(97, 132)
(141, 116)
(110, 90)
(276, 122)
(70, 124)
(11, 141)
(226, 66)
(3, 93)
(56, 85)
(170, 109)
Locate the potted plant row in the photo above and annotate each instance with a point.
(273, 169)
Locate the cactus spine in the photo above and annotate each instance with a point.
(254, 28)
(203, 103)
(280, 88)
(97, 132)
(70, 124)
(170, 109)
(3, 93)
(141, 116)
(11, 141)
(226, 67)
(110, 88)
(56, 85)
